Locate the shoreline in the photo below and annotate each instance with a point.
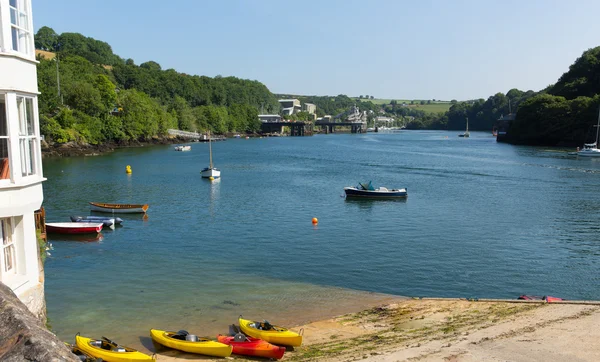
(456, 330)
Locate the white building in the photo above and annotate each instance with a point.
(290, 106)
(20, 155)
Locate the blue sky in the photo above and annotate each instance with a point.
(415, 49)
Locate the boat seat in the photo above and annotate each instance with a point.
(383, 189)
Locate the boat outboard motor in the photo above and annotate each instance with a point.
(191, 338)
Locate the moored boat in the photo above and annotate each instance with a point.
(210, 171)
(364, 190)
(591, 149)
(91, 218)
(186, 342)
(270, 333)
(250, 346)
(183, 148)
(74, 227)
(110, 351)
(119, 208)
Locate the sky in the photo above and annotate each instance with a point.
(419, 49)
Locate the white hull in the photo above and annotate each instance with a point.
(210, 172)
(183, 148)
(590, 153)
(117, 211)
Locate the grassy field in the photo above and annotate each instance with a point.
(434, 107)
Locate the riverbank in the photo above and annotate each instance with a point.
(450, 330)
(71, 149)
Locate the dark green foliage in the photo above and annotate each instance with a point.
(96, 51)
(46, 39)
(553, 120)
(582, 79)
(100, 103)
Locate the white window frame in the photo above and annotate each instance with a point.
(28, 139)
(20, 20)
(6, 137)
(8, 250)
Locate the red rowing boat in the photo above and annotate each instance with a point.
(74, 227)
(249, 346)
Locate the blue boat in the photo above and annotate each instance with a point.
(366, 190)
(107, 221)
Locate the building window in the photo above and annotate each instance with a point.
(20, 32)
(28, 142)
(7, 248)
(4, 159)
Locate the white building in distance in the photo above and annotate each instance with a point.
(20, 155)
(290, 106)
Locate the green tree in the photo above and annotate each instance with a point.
(46, 39)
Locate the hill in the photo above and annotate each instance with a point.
(104, 98)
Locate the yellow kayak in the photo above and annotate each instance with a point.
(192, 344)
(109, 350)
(272, 334)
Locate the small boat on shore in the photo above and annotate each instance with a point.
(110, 351)
(183, 148)
(103, 219)
(119, 208)
(186, 342)
(270, 333)
(74, 227)
(249, 346)
(364, 190)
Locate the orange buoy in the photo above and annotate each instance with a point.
(315, 221)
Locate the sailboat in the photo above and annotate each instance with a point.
(591, 149)
(210, 171)
(466, 134)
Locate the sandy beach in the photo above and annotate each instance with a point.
(449, 330)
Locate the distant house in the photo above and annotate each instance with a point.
(310, 109)
(386, 120)
(290, 106)
(269, 118)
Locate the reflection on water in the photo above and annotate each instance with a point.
(75, 237)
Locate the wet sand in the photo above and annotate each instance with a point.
(448, 330)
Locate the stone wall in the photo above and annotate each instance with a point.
(23, 337)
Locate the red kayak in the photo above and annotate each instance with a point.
(74, 227)
(249, 346)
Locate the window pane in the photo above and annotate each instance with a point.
(29, 116)
(13, 3)
(9, 258)
(32, 147)
(13, 17)
(3, 231)
(25, 157)
(15, 39)
(3, 121)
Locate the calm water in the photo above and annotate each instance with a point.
(482, 220)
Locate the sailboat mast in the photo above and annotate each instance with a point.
(210, 165)
(598, 127)
(467, 124)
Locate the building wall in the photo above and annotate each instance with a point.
(21, 190)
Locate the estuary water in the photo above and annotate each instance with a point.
(482, 219)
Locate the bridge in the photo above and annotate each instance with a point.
(297, 128)
(355, 127)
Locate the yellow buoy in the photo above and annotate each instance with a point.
(128, 169)
(211, 178)
(315, 221)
